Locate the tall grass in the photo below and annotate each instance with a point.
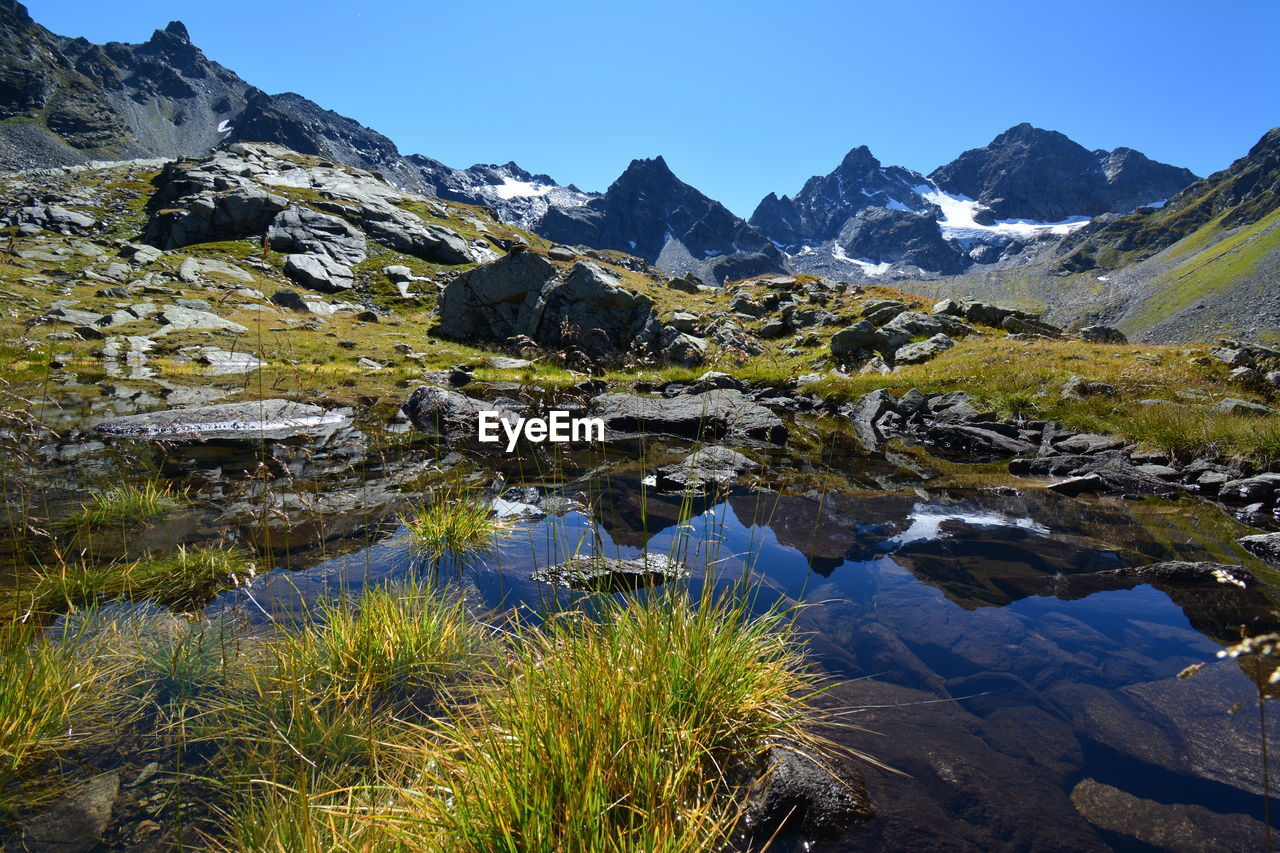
(125, 504)
(456, 525)
(623, 733)
(182, 579)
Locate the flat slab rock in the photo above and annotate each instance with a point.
(257, 419)
(710, 415)
(610, 574)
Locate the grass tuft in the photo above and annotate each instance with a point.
(455, 525)
(126, 504)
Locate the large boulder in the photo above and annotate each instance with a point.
(858, 338)
(923, 351)
(585, 308)
(447, 413)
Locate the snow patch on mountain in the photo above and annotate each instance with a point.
(958, 221)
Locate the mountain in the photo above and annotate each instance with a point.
(1207, 262)
(65, 101)
(516, 195)
(1042, 175)
(822, 207)
(650, 213)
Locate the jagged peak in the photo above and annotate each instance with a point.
(179, 29)
(859, 158)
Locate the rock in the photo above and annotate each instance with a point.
(1249, 489)
(683, 321)
(975, 441)
(866, 412)
(242, 212)
(1264, 545)
(707, 468)
(856, 338)
(1088, 442)
(1112, 466)
(882, 311)
(225, 362)
(1244, 408)
(709, 416)
(177, 318)
(686, 350)
(449, 414)
(923, 351)
(398, 273)
(562, 253)
(193, 270)
(773, 329)
(402, 231)
(76, 824)
(290, 299)
(685, 284)
(875, 364)
(1024, 326)
(303, 231)
(1102, 335)
(502, 362)
(913, 324)
(599, 573)
(948, 306)
(989, 315)
(1079, 485)
(270, 419)
(1078, 388)
(1165, 826)
(1244, 376)
(319, 272)
(1232, 356)
(797, 792)
(368, 364)
(524, 295)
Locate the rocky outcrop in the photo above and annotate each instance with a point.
(708, 468)
(301, 230)
(1041, 175)
(523, 295)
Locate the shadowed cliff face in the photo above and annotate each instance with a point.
(1030, 173)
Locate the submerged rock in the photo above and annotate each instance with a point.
(798, 792)
(610, 574)
(707, 468)
(1165, 826)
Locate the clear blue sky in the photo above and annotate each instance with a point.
(743, 98)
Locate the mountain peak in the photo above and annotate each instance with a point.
(179, 29)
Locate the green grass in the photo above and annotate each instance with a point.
(455, 524)
(126, 504)
(619, 734)
(183, 579)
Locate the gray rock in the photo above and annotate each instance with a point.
(193, 270)
(882, 311)
(398, 273)
(684, 322)
(773, 329)
(913, 324)
(1244, 408)
(1264, 545)
(524, 295)
(1088, 442)
(1083, 484)
(561, 253)
(685, 284)
(865, 413)
(707, 468)
(1232, 357)
(303, 231)
(319, 272)
(1077, 388)
(708, 416)
(1102, 335)
(271, 419)
(245, 211)
(1249, 489)
(290, 299)
(446, 413)
(502, 362)
(402, 231)
(923, 351)
(1244, 376)
(599, 573)
(176, 318)
(224, 362)
(857, 338)
(1024, 326)
(975, 441)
